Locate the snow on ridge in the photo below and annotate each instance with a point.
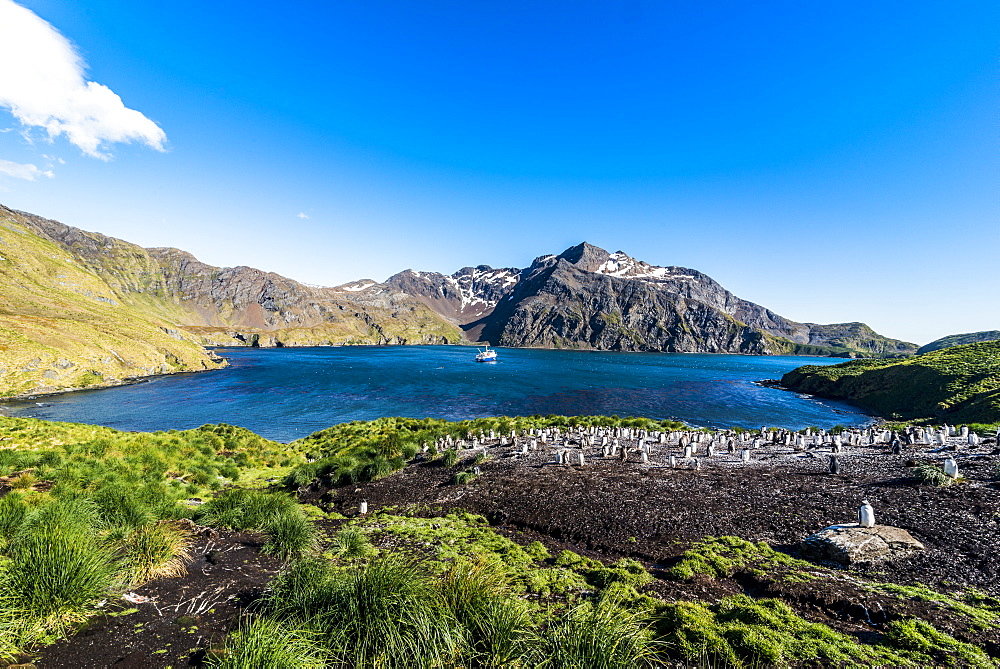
(470, 286)
(355, 286)
(622, 265)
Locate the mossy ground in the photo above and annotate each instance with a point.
(736, 630)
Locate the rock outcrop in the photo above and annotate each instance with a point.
(850, 544)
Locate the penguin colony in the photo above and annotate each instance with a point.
(694, 449)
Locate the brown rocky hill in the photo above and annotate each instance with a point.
(162, 304)
(80, 309)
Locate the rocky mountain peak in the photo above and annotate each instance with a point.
(584, 256)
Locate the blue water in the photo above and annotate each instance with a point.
(287, 393)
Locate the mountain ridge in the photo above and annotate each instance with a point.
(658, 295)
(174, 304)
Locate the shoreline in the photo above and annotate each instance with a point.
(129, 381)
(775, 384)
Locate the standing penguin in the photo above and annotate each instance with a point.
(866, 515)
(834, 464)
(951, 468)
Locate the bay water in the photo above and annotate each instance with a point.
(287, 393)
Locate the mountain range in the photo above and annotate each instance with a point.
(82, 309)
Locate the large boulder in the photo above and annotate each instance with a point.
(850, 543)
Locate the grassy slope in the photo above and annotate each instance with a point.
(861, 339)
(62, 326)
(959, 339)
(96, 311)
(960, 384)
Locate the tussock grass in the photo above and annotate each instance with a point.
(156, 550)
(289, 534)
(272, 644)
(352, 543)
(278, 515)
(105, 517)
(497, 627)
(58, 568)
(23, 481)
(602, 636)
(932, 475)
(450, 457)
(384, 614)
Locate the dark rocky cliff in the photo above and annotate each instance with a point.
(587, 297)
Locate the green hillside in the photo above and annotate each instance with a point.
(960, 384)
(859, 340)
(959, 339)
(62, 327)
(79, 309)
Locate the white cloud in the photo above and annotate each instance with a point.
(22, 171)
(302, 214)
(42, 83)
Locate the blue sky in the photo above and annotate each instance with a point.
(831, 161)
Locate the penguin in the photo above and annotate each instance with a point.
(951, 468)
(834, 465)
(866, 515)
(363, 507)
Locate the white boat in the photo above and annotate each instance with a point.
(488, 355)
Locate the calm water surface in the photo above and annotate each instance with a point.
(287, 393)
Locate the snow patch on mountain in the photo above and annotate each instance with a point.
(622, 265)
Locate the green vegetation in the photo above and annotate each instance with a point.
(960, 384)
(449, 591)
(921, 639)
(982, 610)
(928, 474)
(95, 511)
(277, 515)
(959, 339)
(740, 631)
(464, 478)
(268, 643)
(722, 556)
(455, 593)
